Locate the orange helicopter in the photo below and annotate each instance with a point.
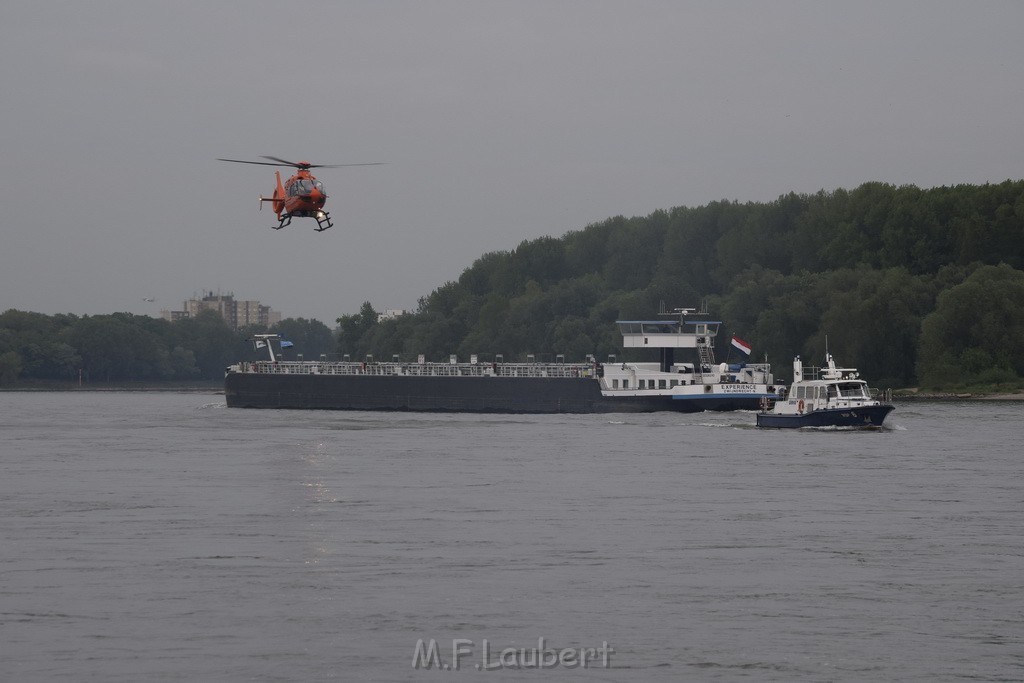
(301, 196)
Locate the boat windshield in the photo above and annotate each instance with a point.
(853, 390)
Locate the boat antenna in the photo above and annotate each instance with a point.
(681, 312)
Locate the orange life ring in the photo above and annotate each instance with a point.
(800, 406)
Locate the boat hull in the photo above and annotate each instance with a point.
(458, 394)
(859, 417)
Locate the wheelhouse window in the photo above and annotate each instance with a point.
(852, 390)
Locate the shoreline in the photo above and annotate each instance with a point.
(212, 388)
(958, 397)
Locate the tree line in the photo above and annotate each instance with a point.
(914, 286)
(122, 347)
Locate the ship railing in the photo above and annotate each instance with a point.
(812, 373)
(419, 369)
(756, 368)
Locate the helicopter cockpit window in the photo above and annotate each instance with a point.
(304, 186)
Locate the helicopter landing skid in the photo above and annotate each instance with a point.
(323, 221)
(285, 220)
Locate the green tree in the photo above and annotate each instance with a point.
(114, 347)
(311, 338)
(10, 367)
(212, 342)
(976, 326)
(352, 328)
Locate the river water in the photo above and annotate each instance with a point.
(163, 537)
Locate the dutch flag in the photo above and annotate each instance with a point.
(741, 346)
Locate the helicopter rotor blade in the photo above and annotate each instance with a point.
(239, 161)
(306, 164)
(375, 163)
(285, 162)
(282, 162)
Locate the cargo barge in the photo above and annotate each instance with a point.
(531, 387)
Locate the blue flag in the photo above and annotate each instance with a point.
(285, 344)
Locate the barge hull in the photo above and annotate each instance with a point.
(456, 394)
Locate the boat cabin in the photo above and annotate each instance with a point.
(832, 387)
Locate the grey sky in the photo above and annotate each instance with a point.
(498, 121)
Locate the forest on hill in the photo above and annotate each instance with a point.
(916, 287)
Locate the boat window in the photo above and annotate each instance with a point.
(852, 390)
(658, 328)
(615, 384)
(625, 384)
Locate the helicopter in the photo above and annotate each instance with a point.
(301, 196)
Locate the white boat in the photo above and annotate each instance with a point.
(835, 397)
